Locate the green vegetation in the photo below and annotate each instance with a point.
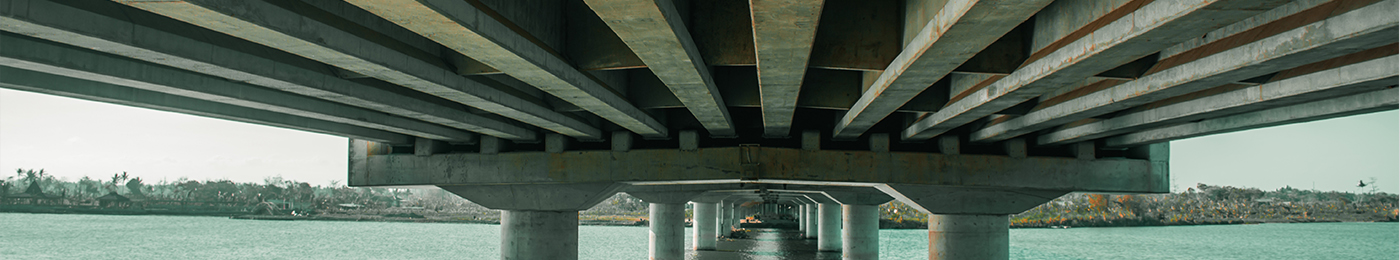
(37, 191)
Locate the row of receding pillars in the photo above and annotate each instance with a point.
(528, 234)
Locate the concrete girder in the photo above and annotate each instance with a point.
(1310, 43)
(779, 164)
(273, 26)
(45, 83)
(37, 55)
(1152, 27)
(783, 32)
(472, 32)
(1366, 76)
(70, 25)
(871, 197)
(535, 197)
(960, 30)
(970, 200)
(655, 32)
(1363, 103)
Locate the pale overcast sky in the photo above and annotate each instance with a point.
(71, 138)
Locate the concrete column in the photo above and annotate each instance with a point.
(860, 232)
(667, 238)
(721, 210)
(812, 221)
(703, 234)
(968, 237)
(527, 234)
(802, 218)
(829, 227)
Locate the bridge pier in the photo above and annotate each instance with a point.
(532, 234)
(860, 232)
(811, 231)
(705, 228)
(666, 212)
(829, 227)
(968, 237)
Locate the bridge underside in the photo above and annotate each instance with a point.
(968, 110)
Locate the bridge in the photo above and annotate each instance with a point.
(967, 110)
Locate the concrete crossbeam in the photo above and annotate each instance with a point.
(276, 27)
(655, 32)
(1361, 77)
(1306, 44)
(165, 46)
(31, 54)
(471, 31)
(1152, 27)
(45, 83)
(784, 31)
(1306, 112)
(959, 30)
(709, 164)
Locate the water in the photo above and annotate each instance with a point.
(47, 236)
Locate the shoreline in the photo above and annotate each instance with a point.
(602, 220)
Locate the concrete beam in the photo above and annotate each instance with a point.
(271, 25)
(655, 32)
(1366, 76)
(1306, 112)
(970, 200)
(1152, 27)
(776, 164)
(37, 55)
(51, 84)
(469, 30)
(784, 31)
(536, 197)
(1310, 43)
(960, 30)
(169, 46)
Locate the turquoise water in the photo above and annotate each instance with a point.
(48, 236)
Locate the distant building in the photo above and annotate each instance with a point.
(113, 200)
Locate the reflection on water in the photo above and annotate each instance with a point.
(766, 244)
(49, 236)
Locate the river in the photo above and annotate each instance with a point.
(56, 236)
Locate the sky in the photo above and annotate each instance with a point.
(71, 138)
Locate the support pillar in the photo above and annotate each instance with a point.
(860, 232)
(829, 227)
(721, 210)
(704, 231)
(968, 237)
(528, 234)
(812, 221)
(802, 218)
(538, 221)
(667, 237)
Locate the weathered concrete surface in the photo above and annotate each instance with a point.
(1309, 43)
(535, 197)
(667, 236)
(968, 237)
(654, 30)
(959, 31)
(860, 233)
(1152, 27)
(828, 227)
(1361, 77)
(539, 235)
(45, 83)
(169, 45)
(31, 54)
(471, 32)
(1363, 103)
(812, 221)
(704, 232)
(783, 31)
(274, 26)
(1052, 173)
